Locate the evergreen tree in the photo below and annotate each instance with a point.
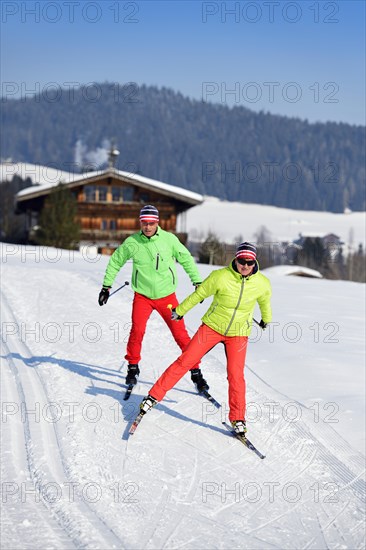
(12, 225)
(57, 225)
(312, 254)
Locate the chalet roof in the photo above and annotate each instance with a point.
(44, 179)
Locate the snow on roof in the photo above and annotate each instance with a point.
(45, 178)
(38, 174)
(297, 270)
(155, 184)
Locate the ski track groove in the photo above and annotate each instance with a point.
(36, 470)
(16, 464)
(321, 533)
(332, 436)
(336, 525)
(325, 527)
(285, 513)
(342, 471)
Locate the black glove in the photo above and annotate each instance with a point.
(103, 296)
(263, 325)
(196, 285)
(175, 316)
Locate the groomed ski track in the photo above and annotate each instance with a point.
(74, 480)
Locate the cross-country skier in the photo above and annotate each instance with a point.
(154, 279)
(235, 289)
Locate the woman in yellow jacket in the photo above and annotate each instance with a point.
(235, 289)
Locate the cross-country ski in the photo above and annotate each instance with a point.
(244, 440)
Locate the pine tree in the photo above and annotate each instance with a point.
(57, 225)
(12, 225)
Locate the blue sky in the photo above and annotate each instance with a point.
(302, 58)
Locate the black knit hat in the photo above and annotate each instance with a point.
(246, 250)
(149, 214)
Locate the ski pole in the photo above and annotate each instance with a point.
(126, 283)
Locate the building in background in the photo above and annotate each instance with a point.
(108, 202)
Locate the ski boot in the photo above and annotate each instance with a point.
(132, 373)
(239, 427)
(147, 403)
(198, 380)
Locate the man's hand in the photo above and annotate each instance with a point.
(103, 296)
(263, 325)
(175, 316)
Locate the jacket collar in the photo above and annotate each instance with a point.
(155, 236)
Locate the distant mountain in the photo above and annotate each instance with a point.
(232, 153)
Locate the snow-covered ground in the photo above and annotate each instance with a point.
(72, 479)
(230, 220)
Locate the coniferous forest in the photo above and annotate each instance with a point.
(230, 152)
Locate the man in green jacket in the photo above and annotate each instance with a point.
(235, 289)
(154, 279)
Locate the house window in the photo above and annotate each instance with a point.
(122, 194)
(102, 193)
(117, 194)
(113, 225)
(90, 193)
(127, 194)
(104, 225)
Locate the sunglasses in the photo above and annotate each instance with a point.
(243, 261)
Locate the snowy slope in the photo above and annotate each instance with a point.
(72, 479)
(230, 220)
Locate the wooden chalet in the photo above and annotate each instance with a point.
(108, 205)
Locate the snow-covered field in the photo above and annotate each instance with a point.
(72, 479)
(230, 220)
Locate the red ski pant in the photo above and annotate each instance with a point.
(142, 308)
(204, 340)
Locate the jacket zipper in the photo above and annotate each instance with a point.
(171, 271)
(157, 261)
(236, 307)
(136, 277)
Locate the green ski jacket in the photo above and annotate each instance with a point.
(154, 271)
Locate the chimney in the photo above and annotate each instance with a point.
(112, 157)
